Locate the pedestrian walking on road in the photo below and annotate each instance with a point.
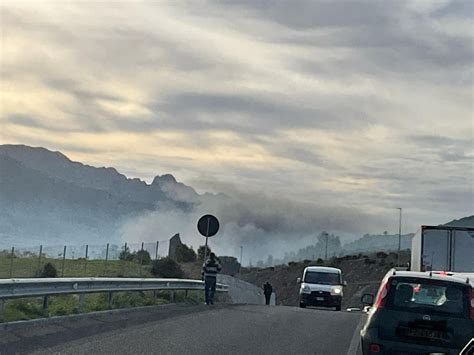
(210, 269)
(267, 290)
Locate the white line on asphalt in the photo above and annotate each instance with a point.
(355, 342)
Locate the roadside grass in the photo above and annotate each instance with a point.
(32, 308)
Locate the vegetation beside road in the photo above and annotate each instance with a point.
(32, 308)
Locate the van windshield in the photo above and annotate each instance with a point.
(324, 278)
(429, 297)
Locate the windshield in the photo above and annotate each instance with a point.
(324, 278)
(428, 296)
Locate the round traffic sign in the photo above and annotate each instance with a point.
(208, 225)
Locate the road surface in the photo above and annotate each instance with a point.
(220, 329)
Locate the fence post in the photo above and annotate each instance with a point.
(85, 260)
(106, 259)
(141, 260)
(156, 249)
(11, 262)
(124, 261)
(39, 258)
(64, 261)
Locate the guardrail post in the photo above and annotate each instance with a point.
(64, 260)
(173, 296)
(39, 259)
(110, 299)
(81, 302)
(106, 259)
(11, 262)
(45, 303)
(2, 308)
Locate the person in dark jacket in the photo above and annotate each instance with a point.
(267, 290)
(210, 270)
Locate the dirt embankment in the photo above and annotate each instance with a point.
(363, 274)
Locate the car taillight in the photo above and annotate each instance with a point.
(382, 295)
(472, 304)
(375, 348)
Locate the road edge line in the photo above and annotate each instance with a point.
(355, 341)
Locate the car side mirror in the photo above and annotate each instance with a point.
(367, 299)
(344, 283)
(298, 280)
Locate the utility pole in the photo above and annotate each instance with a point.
(241, 253)
(399, 235)
(326, 254)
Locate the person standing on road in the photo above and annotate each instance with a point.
(267, 290)
(210, 270)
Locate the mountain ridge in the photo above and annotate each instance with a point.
(45, 195)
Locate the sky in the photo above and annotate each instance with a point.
(358, 105)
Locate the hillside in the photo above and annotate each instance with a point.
(363, 273)
(462, 222)
(46, 198)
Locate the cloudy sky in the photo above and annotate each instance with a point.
(366, 105)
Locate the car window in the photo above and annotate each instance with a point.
(324, 278)
(428, 295)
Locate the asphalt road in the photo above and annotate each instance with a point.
(221, 329)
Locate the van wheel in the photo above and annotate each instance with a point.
(302, 305)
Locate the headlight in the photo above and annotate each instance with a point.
(305, 289)
(336, 291)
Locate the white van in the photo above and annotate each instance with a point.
(321, 286)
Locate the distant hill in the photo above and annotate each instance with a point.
(463, 222)
(47, 198)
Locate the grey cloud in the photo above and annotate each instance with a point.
(310, 14)
(439, 141)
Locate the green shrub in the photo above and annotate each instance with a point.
(184, 254)
(48, 270)
(166, 267)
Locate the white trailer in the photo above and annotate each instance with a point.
(443, 248)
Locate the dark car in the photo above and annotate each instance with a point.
(420, 313)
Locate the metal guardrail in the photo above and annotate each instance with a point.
(17, 288)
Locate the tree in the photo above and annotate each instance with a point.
(185, 254)
(202, 250)
(125, 254)
(142, 256)
(166, 267)
(48, 270)
(230, 265)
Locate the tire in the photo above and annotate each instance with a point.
(302, 305)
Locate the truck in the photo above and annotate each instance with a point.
(443, 248)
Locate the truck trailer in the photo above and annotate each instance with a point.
(443, 248)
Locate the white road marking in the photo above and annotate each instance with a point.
(355, 342)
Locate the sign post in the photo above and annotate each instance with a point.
(208, 226)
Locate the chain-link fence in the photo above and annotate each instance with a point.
(112, 260)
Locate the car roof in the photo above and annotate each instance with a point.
(458, 277)
(322, 269)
